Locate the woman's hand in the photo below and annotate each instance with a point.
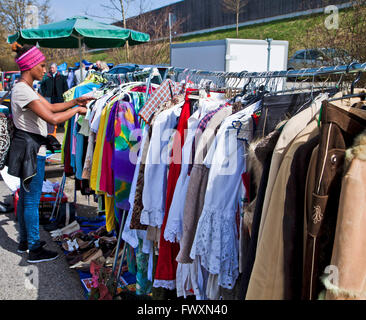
(83, 101)
(82, 111)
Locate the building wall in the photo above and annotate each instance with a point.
(206, 14)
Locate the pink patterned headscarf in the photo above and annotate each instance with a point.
(30, 59)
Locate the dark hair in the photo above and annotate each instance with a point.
(20, 50)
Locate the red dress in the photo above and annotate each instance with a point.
(168, 251)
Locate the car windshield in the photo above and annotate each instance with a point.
(335, 52)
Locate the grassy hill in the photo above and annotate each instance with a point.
(293, 30)
(290, 29)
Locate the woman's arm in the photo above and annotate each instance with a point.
(54, 118)
(57, 107)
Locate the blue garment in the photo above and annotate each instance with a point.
(27, 208)
(71, 128)
(76, 159)
(79, 155)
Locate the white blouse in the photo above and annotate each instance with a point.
(216, 240)
(156, 167)
(174, 226)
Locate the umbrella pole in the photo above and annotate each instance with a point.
(81, 58)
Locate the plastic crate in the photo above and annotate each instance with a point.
(46, 202)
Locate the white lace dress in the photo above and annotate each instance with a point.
(216, 240)
(174, 226)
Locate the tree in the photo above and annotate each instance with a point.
(12, 16)
(157, 50)
(122, 8)
(237, 7)
(12, 19)
(156, 25)
(347, 38)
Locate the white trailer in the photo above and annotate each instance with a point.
(231, 55)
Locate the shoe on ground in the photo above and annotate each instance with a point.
(5, 208)
(23, 246)
(41, 255)
(74, 226)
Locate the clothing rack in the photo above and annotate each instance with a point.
(117, 79)
(129, 76)
(150, 73)
(306, 72)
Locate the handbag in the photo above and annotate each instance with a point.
(6, 133)
(52, 144)
(6, 128)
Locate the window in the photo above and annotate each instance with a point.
(300, 56)
(313, 55)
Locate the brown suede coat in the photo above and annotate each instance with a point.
(339, 127)
(350, 239)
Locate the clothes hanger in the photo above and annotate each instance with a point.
(120, 90)
(243, 92)
(235, 85)
(130, 85)
(274, 85)
(191, 84)
(358, 78)
(128, 95)
(189, 78)
(361, 95)
(257, 90)
(221, 81)
(256, 94)
(311, 98)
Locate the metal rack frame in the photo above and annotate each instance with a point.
(306, 72)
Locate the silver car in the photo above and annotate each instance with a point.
(315, 58)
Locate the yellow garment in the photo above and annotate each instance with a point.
(69, 94)
(99, 145)
(108, 109)
(109, 212)
(98, 151)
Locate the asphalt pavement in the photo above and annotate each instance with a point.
(20, 280)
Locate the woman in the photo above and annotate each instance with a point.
(27, 154)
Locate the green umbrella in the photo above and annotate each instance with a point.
(76, 31)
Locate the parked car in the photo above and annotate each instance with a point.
(123, 68)
(10, 77)
(314, 58)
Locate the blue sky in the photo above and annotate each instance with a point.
(61, 9)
